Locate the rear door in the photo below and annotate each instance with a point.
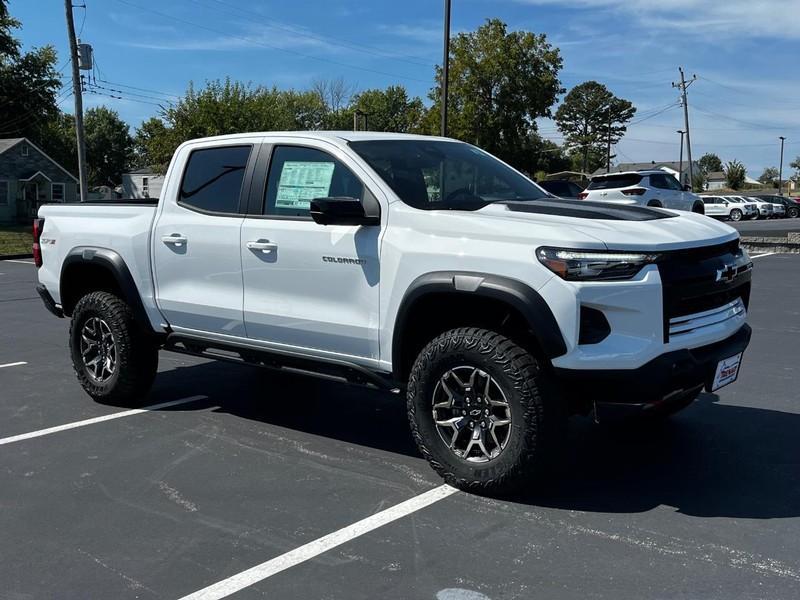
(713, 206)
(309, 286)
(196, 238)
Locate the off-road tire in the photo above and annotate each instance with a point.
(538, 424)
(736, 215)
(136, 354)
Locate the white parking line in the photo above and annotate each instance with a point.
(765, 254)
(16, 364)
(118, 415)
(238, 582)
(21, 262)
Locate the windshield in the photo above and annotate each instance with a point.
(437, 175)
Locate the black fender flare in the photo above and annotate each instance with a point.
(527, 301)
(112, 262)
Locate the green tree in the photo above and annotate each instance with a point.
(795, 164)
(59, 141)
(769, 176)
(390, 109)
(735, 174)
(28, 84)
(710, 163)
(699, 181)
(109, 146)
(589, 117)
(500, 82)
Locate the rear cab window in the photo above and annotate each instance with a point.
(212, 180)
(608, 182)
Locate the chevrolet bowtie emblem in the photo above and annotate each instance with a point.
(726, 273)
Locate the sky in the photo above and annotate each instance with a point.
(744, 53)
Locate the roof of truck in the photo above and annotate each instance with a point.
(349, 136)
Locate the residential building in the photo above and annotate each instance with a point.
(142, 183)
(715, 180)
(30, 178)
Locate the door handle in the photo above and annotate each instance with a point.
(176, 239)
(264, 245)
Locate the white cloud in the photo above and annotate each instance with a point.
(779, 18)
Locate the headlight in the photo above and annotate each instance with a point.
(593, 265)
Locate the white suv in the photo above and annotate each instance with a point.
(722, 207)
(750, 210)
(767, 209)
(643, 188)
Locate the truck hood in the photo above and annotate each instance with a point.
(617, 227)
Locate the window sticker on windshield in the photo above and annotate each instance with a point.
(301, 182)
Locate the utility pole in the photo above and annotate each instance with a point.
(608, 145)
(683, 85)
(76, 89)
(445, 65)
(680, 162)
(780, 171)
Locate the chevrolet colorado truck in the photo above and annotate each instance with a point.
(409, 263)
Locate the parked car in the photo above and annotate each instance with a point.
(790, 206)
(499, 310)
(721, 208)
(765, 209)
(749, 209)
(562, 188)
(654, 188)
(778, 210)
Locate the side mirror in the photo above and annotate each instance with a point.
(342, 211)
(687, 188)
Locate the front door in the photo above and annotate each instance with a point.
(196, 241)
(310, 286)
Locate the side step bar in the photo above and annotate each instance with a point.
(251, 354)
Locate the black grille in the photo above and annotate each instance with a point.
(690, 284)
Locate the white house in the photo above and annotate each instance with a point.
(142, 183)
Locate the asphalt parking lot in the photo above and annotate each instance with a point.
(252, 466)
(766, 227)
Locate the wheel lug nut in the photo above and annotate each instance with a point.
(486, 412)
(463, 412)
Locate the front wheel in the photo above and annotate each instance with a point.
(483, 412)
(736, 215)
(114, 360)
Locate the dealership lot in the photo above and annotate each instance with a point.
(251, 465)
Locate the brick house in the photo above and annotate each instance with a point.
(30, 178)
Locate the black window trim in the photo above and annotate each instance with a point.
(257, 200)
(246, 180)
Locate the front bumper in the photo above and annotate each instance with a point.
(670, 377)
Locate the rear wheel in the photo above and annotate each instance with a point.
(699, 208)
(654, 204)
(793, 212)
(483, 412)
(113, 359)
(736, 215)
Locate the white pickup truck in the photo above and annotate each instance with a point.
(408, 263)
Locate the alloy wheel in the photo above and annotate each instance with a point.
(472, 414)
(98, 349)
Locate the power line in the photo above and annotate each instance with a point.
(271, 47)
(141, 89)
(735, 120)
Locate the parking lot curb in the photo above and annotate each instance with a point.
(789, 244)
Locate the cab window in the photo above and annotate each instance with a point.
(297, 175)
